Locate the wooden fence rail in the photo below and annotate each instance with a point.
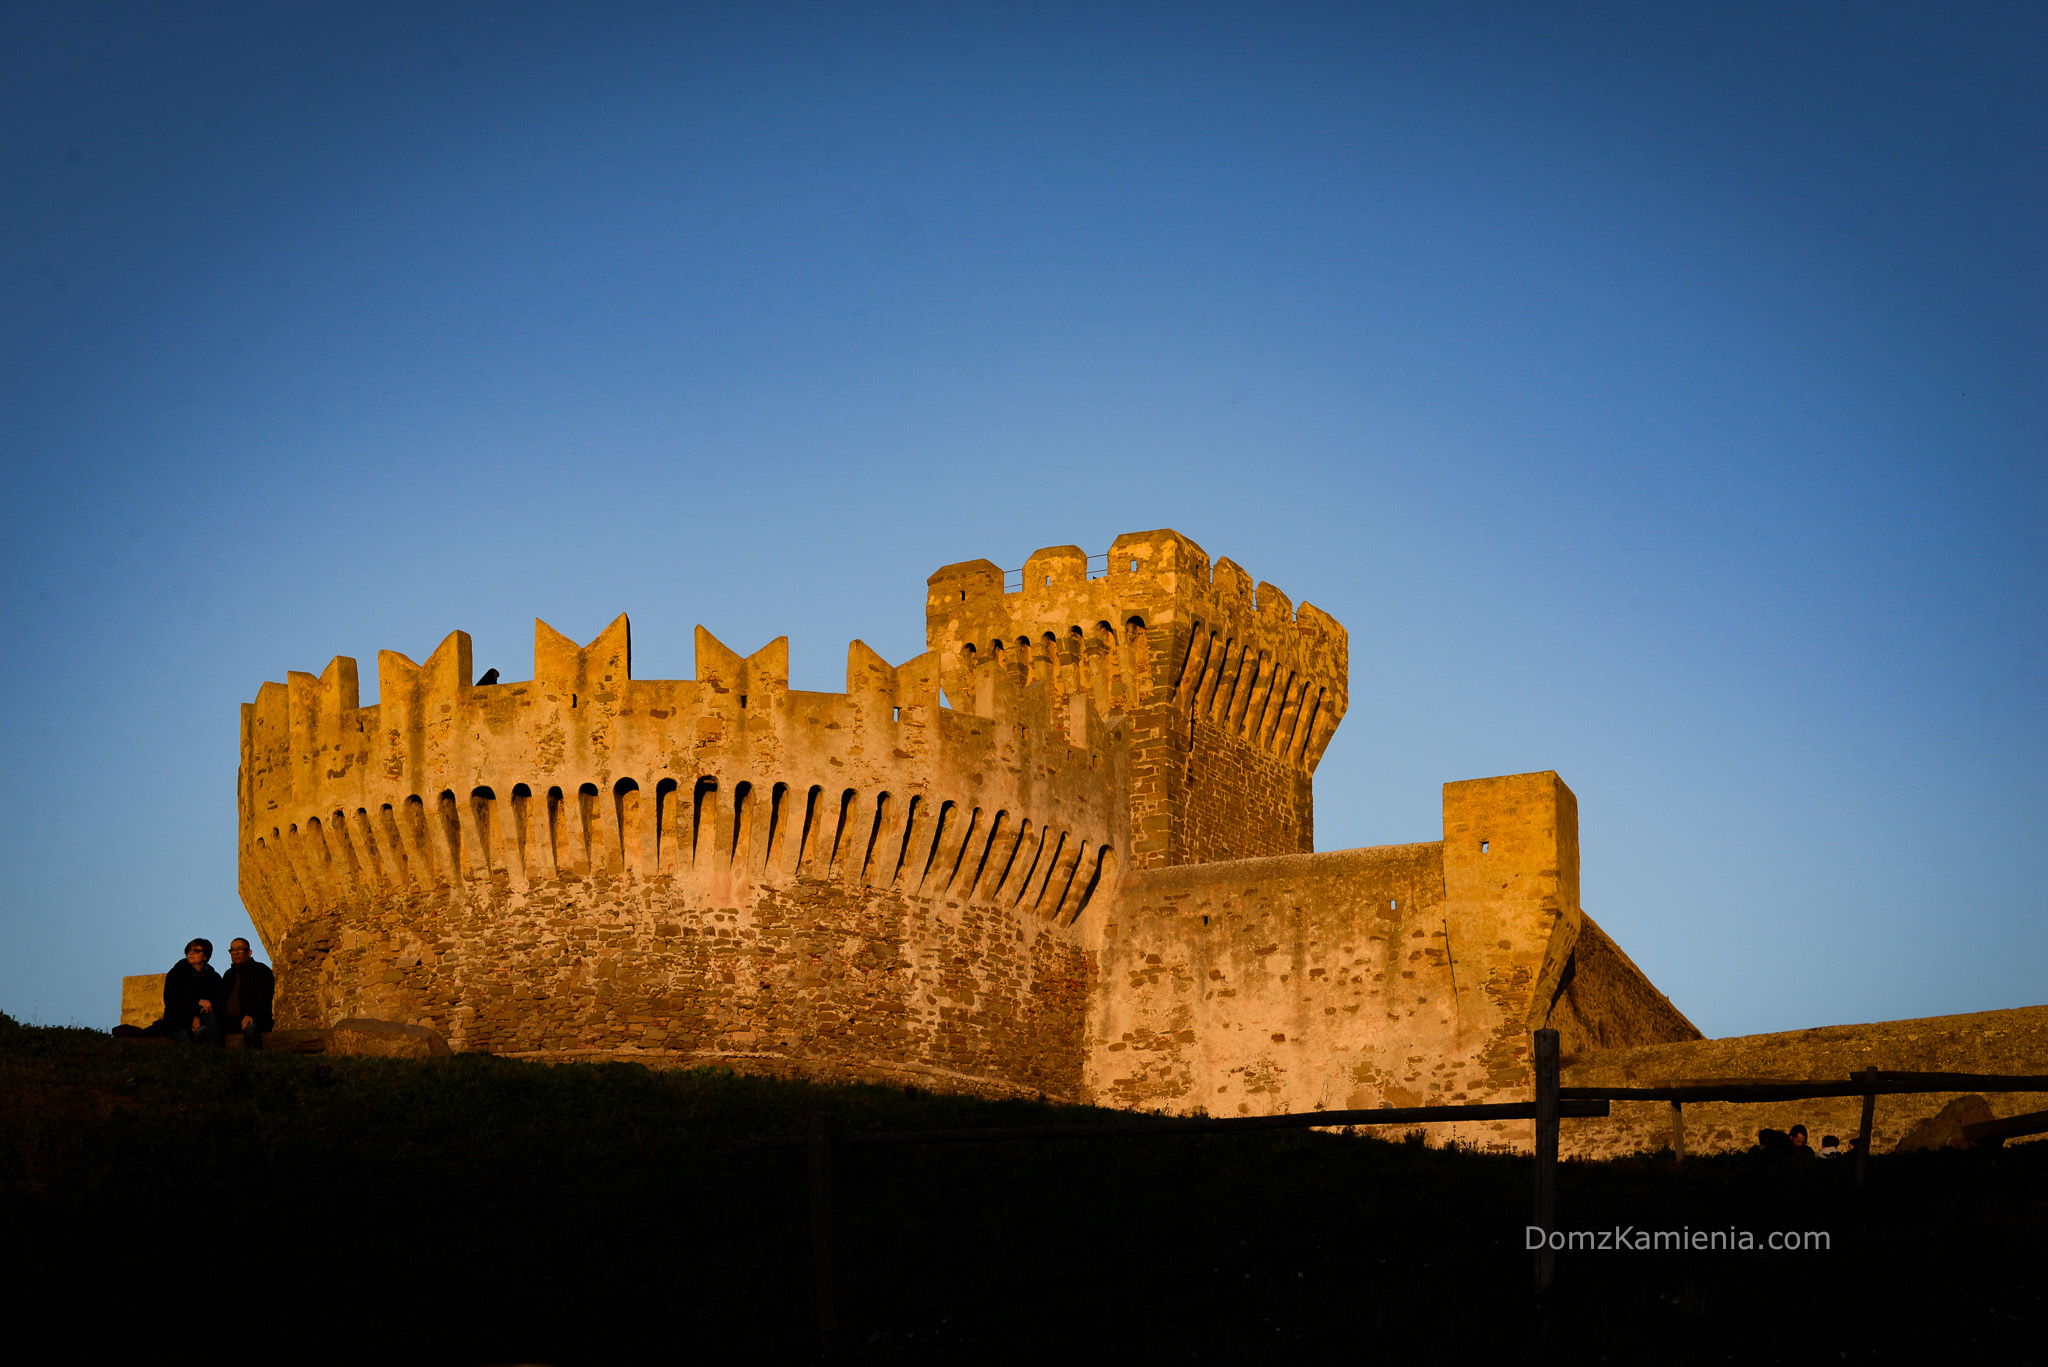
(1887, 1084)
(1553, 1102)
(1870, 1084)
(1169, 1125)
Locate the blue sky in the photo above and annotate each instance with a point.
(1656, 393)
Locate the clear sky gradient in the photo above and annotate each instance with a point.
(1658, 395)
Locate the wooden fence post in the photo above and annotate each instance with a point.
(821, 1232)
(1546, 1153)
(1678, 1129)
(1868, 1076)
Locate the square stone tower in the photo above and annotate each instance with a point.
(1230, 693)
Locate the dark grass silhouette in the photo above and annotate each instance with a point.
(474, 1210)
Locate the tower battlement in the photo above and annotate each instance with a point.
(731, 777)
(1231, 693)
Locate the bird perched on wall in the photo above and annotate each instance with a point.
(490, 677)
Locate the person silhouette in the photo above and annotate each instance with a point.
(246, 991)
(191, 989)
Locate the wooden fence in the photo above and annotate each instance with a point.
(1552, 1102)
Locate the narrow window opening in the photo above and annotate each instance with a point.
(481, 802)
(1134, 567)
(1048, 581)
(740, 793)
(664, 823)
(1031, 869)
(626, 820)
(973, 824)
(1393, 905)
(743, 700)
(867, 857)
(1052, 868)
(707, 790)
(895, 714)
(556, 843)
(1010, 862)
(839, 829)
(946, 816)
(1483, 844)
(909, 830)
(1063, 874)
(586, 808)
(572, 700)
(995, 828)
(804, 841)
(522, 805)
(963, 595)
(775, 823)
(448, 814)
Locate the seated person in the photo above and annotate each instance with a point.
(1830, 1147)
(246, 990)
(191, 990)
(1797, 1134)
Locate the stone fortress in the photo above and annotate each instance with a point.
(1069, 850)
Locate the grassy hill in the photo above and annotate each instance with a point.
(475, 1210)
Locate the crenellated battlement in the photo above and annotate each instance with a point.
(315, 760)
(1214, 675)
(750, 844)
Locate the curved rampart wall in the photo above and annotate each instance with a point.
(867, 883)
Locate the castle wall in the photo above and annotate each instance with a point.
(815, 978)
(2003, 1042)
(719, 867)
(1402, 975)
(1067, 850)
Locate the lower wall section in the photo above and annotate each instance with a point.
(817, 978)
(2013, 1041)
(1305, 982)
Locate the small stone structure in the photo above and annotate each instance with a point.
(1068, 850)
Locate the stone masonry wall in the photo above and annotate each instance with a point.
(1240, 802)
(817, 978)
(722, 868)
(1401, 975)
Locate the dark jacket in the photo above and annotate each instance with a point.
(256, 986)
(184, 985)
